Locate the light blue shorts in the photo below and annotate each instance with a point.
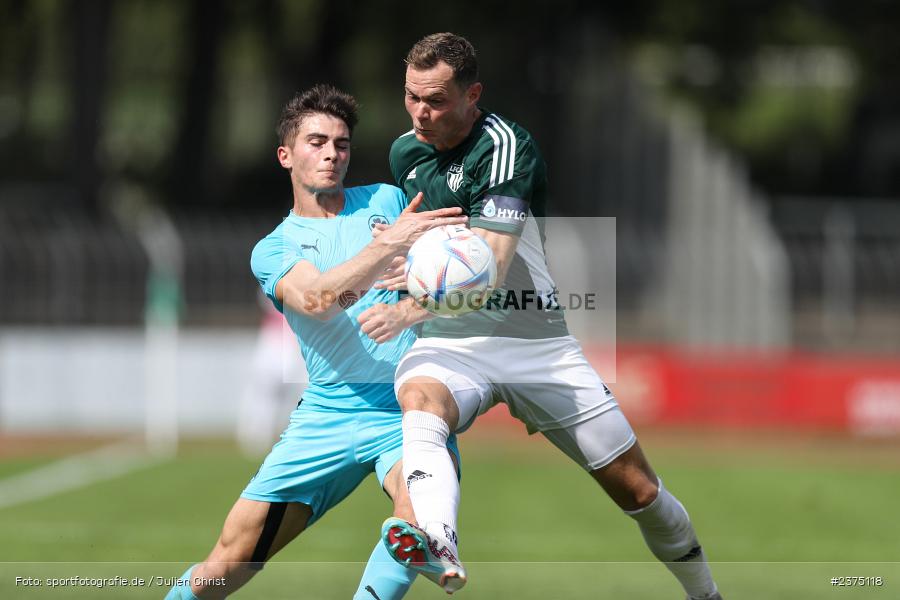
(324, 454)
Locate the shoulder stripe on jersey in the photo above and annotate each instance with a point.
(504, 153)
(504, 149)
(410, 132)
(496, 153)
(512, 151)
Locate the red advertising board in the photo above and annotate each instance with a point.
(656, 385)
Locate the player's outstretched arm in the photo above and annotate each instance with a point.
(322, 295)
(383, 322)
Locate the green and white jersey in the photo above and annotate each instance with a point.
(498, 177)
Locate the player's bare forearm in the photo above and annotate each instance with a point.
(503, 246)
(324, 295)
(340, 287)
(413, 312)
(383, 322)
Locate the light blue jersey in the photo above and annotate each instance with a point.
(347, 370)
(349, 423)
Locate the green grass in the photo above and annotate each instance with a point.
(777, 524)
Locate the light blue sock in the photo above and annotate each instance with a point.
(384, 578)
(183, 591)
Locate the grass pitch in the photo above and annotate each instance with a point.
(778, 518)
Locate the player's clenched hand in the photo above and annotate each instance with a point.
(394, 277)
(411, 224)
(382, 322)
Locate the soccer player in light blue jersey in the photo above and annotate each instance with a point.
(318, 268)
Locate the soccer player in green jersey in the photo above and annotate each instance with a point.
(461, 154)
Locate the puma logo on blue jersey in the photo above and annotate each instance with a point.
(310, 246)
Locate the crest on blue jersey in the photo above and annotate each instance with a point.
(376, 220)
(454, 176)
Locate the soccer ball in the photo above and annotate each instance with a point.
(450, 271)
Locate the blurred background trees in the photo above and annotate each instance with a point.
(182, 97)
(110, 106)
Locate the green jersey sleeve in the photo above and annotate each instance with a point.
(509, 182)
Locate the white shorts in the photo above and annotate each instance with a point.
(546, 383)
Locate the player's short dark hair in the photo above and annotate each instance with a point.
(453, 49)
(321, 98)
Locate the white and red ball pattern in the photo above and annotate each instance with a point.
(450, 271)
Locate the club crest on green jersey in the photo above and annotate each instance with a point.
(454, 176)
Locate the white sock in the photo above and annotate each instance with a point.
(430, 475)
(669, 534)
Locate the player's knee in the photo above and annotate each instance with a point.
(423, 396)
(412, 397)
(643, 493)
(630, 493)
